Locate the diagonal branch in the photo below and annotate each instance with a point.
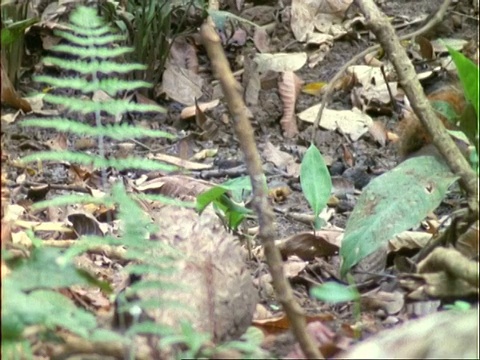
(244, 132)
(408, 79)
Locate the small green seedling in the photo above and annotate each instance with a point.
(316, 181)
(229, 206)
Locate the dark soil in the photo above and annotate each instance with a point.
(371, 159)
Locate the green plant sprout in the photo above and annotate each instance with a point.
(315, 181)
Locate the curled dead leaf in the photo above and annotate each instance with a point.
(289, 88)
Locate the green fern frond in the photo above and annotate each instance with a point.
(112, 107)
(64, 200)
(90, 32)
(167, 200)
(86, 17)
(117, 132)
(90, 67)
(103, 53)
(99, 162)
(110, 86)
(90, 41)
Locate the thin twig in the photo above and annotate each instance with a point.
(244, 131)
(408, 79)
(434, 20)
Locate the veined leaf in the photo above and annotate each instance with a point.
(315, 179)
(392, 203)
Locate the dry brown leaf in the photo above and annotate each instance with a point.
(261, 40)
(10, 96)
(181, 84)
(189, 111)
(211, 267)
(308, 245)
(184, 54)
(390, 302)
(189, 165)
(467, 243)
(378, 132)
(179, 186)
(289, 88)
(281, 159)
(409, 240)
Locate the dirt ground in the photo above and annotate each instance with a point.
(370, 158)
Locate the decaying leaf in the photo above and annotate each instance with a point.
(378, 132)
(190, 111)
(184, 54)
(190, 165)
(446, 334)
(309, 245)
(10, 95)
(289, 88)
(220, 298)
(281, 159)
(181, 84)
(324, 16)
(350, 122)
(175, 186)
(280, 62)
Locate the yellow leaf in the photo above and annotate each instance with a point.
(314, 89)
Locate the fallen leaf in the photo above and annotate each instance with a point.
(281, 159)
(10, 96)
(289, 87)
(189, 111)
(182, 85)
(378, 132)
(351, 122)
(280, 62)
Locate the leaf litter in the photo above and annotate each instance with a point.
(318, 251)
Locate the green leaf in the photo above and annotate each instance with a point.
(61, 311)
(239, 187)
(468, 74)
(41, 307)
(334, 292)
(46, 269)
(392, 203)
(209, 196)
(15, 31)
(315, 179)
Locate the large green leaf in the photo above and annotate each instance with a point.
(315, 179)
(391, 203)
(46, 269)
(334, 292)
(41, 307)
(468, 74)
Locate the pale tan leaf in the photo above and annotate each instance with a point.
(189, 165)
(378, 132)
(289, 88)
(261, 40)
(351, 122)
(175, 186)
(280, 62)
(190, 111)
(281, 159)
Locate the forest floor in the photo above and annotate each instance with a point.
(353, 163)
